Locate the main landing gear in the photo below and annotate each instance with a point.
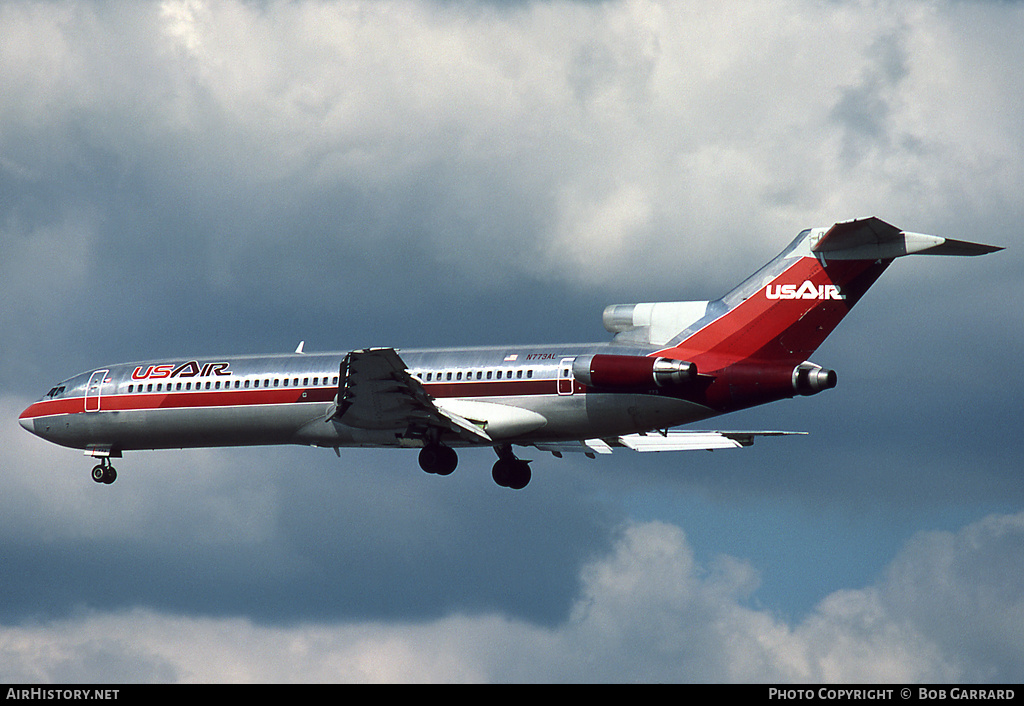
(104, 472)
(438, 458)
(508, 471)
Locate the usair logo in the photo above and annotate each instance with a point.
(807, 290)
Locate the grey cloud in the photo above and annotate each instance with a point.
(863, 110)
(193, 178)
(646, 610)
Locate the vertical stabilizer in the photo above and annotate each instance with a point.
(784, 311)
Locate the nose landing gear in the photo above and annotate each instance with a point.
(104, 472)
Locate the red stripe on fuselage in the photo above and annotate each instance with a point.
(115, 402)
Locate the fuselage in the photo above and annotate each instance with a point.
(287, 399)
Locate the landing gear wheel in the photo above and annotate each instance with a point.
(104, 473)
(509, 471)
(439, 459)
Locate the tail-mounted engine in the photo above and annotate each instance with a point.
(632, 372)
(810, 379)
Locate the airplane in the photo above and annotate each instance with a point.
(668, 364)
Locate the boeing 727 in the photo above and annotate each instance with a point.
(668, 364)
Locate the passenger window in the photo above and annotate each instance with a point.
(285, 382)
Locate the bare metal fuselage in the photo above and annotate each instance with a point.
(287, 399)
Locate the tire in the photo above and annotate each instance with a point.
(438, 459)
(520, 476)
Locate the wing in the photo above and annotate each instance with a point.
(375, 391)
(673, 440)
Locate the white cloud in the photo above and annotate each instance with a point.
(647, 611)
(579, 141)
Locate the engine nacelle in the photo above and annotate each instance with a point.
(810, 379)
(631, 371)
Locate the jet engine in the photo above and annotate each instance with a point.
(631, 371)
(810, 379)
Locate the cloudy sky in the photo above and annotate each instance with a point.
(189, 178)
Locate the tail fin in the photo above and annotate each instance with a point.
(783, 312)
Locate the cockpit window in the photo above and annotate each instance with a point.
(56, 392)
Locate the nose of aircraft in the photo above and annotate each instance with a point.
(27, 422)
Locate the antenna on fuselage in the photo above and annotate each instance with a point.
(298, 349)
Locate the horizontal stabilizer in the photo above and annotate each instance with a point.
(874, 239)
(960, 248)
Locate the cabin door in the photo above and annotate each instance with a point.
(565, 380)
(94, 389)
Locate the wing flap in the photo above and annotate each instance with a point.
(696, 440)
(679, 441)
(376, 391)
(672, 440)
(590, 447)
